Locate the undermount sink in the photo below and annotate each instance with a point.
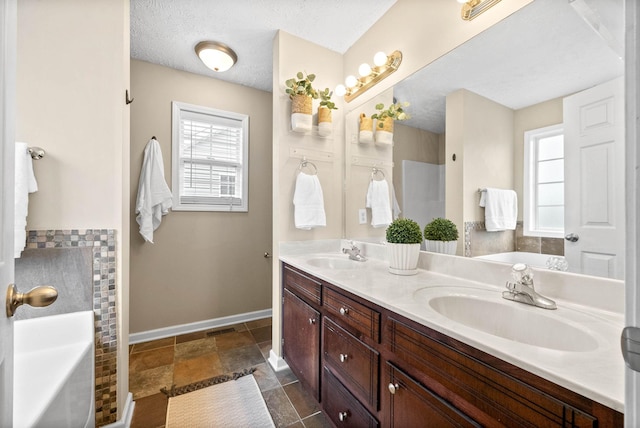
(335, 262)
(511, 321)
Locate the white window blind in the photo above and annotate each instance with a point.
(544, 182)
(210, 159)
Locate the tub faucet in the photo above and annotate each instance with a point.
(523, 290)
(354, 253)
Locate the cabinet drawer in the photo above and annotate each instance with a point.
(411, 404)
(341, 407)
(456, 376)
(353, 362)
(303, 286)
(360, 319)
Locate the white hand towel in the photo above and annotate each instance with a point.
(154, 197)
(25, 183)
(378, 201)
(308, 202)
(500, 209)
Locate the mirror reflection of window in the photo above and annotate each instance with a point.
(544, 182)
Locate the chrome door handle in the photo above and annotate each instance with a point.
(571, 237)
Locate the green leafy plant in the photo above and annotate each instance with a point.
(441, 229)
(394, 111)
(301, 85)
(325, 97)
(404, 231)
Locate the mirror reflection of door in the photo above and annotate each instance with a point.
(594, 180)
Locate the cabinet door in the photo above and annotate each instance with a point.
(410, 404)
(301, 334)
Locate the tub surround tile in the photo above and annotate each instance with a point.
(530, 244)
(553, 246)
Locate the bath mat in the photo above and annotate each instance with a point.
(230, 401)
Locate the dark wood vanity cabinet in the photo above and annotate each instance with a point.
(370, 366)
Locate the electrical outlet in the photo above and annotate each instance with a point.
(362, 215)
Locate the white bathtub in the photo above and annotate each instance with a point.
(54, 371)
(532, 259)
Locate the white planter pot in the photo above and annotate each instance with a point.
(301, 122)
(444, 247)
(384, 138)
(325, 129)
(365, 137)
(403, 258)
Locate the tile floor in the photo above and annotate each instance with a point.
(188, 358)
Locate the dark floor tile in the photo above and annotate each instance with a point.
(234, 340)
(148, 382)
(264, 322)
(265, 348)
(286, 376)
(298, 424)
(151, 359)
(319, 420)
(302, 401)
(150, 412)
(265, 377)
(190, 336)
(281, 410)
(237, 359)
(154, 344)
(196, 369)
(261, 334)
(195, 348)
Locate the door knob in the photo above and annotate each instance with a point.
(38, 297)
(571, 237)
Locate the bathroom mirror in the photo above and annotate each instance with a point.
(545, 51)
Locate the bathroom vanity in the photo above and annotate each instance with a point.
(380, 355)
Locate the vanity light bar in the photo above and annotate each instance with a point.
(377, 74)
(473, 8)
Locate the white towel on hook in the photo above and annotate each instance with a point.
(154, 197)
(378, 200)
(25, 183)
(308, 201)
(500, 209)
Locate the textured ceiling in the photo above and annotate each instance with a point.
(545, 50)
(165, 32)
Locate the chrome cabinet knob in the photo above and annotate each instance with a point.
(572, 237)
(312, 321)
(343, 358)
(393, 388)
(344, 311)
(343, 416)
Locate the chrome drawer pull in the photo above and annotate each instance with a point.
(344, 311)
(312, 321)
(393, 388)
(343, 416)
(343, 358)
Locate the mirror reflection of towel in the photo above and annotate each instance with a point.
(25, 183)
(308, 202)
(378, 201)
(500, 209)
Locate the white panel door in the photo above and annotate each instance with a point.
(594, 180)
(7, 147)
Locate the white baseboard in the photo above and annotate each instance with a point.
(127, 414)
(277, 362)
(176, 330)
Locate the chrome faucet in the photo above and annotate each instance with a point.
(523, 290)
(354, 253)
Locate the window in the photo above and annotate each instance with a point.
(210, 159)
(544, 182)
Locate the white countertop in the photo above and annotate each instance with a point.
(597, 374)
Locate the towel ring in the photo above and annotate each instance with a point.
(375, 171)
(306, 163)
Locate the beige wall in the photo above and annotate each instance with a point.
(72, 71)
(536, 116)
(417, 145)
(480, 134)
(203, 265)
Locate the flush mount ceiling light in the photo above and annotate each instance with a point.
(473, 8)
(216, 56)
(384, 65)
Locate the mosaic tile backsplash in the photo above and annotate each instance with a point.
(103, 248)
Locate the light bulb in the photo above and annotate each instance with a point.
(350, 81)
(364, 69)
(340, 90)
(380, 59)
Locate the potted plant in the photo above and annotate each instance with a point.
(302, 94)
(441, 236)
(366, 129)
(324, 112)
(403, 246)
(385, 118)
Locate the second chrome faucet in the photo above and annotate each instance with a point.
(354, 253)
